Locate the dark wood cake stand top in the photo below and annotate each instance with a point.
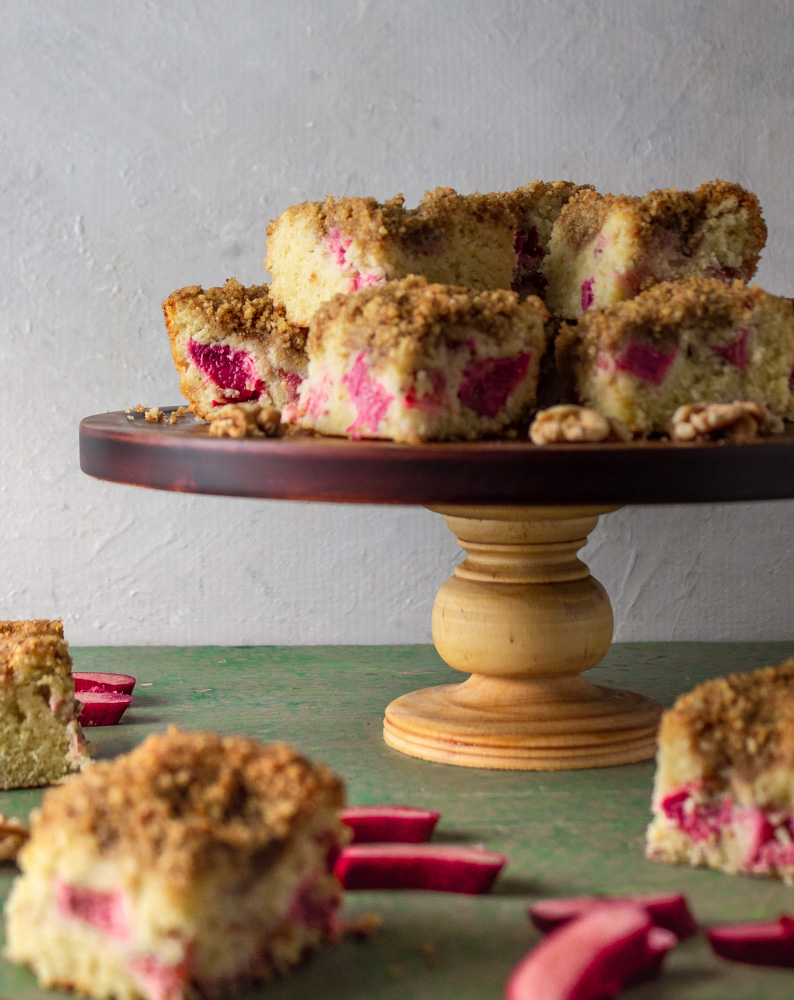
(182, 457)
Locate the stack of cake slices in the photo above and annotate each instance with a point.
(430, 323)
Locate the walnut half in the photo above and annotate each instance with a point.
(575, 424)
(13, 834)
(740, 420)
(238, 420)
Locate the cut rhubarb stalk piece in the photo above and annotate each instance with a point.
(668, 910)
(585, 959)
(90, 680)
(418, 866)
(102, 708)
(389, 824)
(764, 942)
(659, 942)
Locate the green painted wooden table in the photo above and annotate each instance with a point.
(565, 833)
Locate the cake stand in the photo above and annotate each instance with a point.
(522, 616)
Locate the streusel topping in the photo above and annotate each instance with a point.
(527, 200)
(744, 721)
(661, 311)
(683, 212)
(24, 656)
(236, 309)
(413, 309)
(186, 800)
(32, 626)
(370, 222)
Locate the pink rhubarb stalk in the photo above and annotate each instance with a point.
(91, 680)
(418, 866)
(102, 708)
(585, 959)
(389, 824)
(667, 910)
(765, 942)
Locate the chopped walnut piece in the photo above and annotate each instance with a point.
(13, 834)
(238, 420)
(577, 424)
(740, 420)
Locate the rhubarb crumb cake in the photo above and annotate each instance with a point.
(605, 248)
(232, 344)
(41, 740)
(536, 207)
(677, 343)
(187, 868)
(413, 361)
(319, 249)
(724, 791)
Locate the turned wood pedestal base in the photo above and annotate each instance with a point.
(523, 616)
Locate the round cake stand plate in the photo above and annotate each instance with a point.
(522, 616)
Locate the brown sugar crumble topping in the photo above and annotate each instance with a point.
(233, 308)
(370, 222)
(412, 309)
(586, 212)
(184, 800)
(744, 721)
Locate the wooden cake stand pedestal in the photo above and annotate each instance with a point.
(521, 614)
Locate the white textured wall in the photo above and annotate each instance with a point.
(146, 145)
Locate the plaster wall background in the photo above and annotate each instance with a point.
(145, 146)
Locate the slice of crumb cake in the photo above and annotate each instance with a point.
(605, 248)
(232, 344)
(190, 867)
(412, 361)
(536, 207)
(41, 740)
(724, 791)
(678, 343)
(319, 249)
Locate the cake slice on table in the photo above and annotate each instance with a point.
(724, 791)
(319, 249)
(677, 343)
(232, 344)
(41, 740)
(412, 361)
(606, 248)
(190, 867)
(536, 207)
